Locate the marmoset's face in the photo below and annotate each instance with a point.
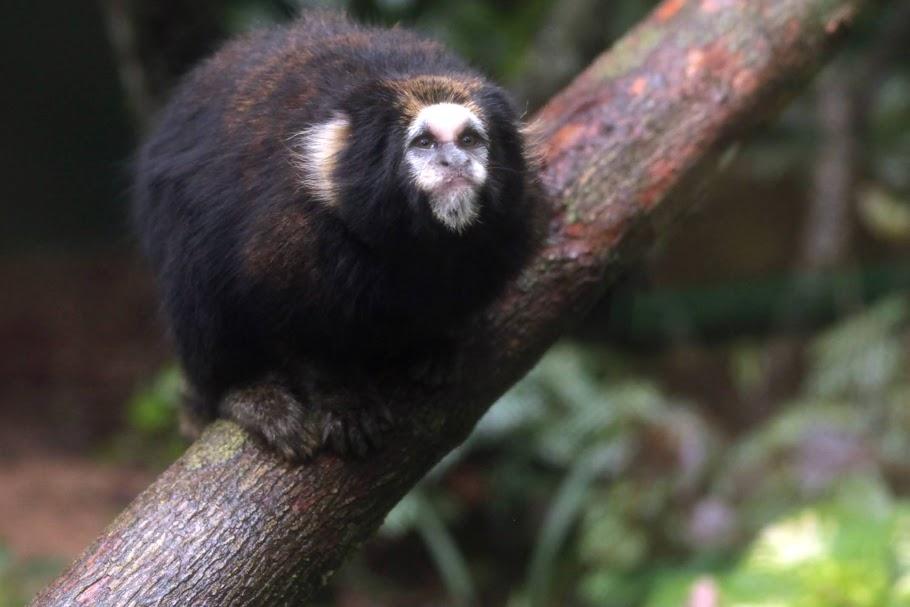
(414, 156)
(446, 154)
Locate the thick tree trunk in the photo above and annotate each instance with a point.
(231, 525)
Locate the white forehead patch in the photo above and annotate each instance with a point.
(445, 121)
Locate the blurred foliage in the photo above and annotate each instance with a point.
(625, 492)
(21, 579)
(150, 434)
(851, 551)
(884, 214)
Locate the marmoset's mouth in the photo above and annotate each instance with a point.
(457, 181)
(454, 204)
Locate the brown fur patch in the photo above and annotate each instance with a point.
(277, 254)
(355, 39)
(260, 81)
(414, 94)
(533, 142)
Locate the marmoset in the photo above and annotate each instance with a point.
(326, 204)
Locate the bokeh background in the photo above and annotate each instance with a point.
(731, 426)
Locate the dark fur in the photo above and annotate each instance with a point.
(263, 284)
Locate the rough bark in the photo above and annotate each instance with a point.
(229, 524)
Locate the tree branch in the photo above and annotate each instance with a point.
(229, 524)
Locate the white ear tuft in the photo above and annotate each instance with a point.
(315, 153)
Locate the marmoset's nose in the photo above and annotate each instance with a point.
(451, 156)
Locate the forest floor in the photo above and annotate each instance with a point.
(79, 336)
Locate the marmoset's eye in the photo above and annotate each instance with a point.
(424, 141)
(470, 138)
